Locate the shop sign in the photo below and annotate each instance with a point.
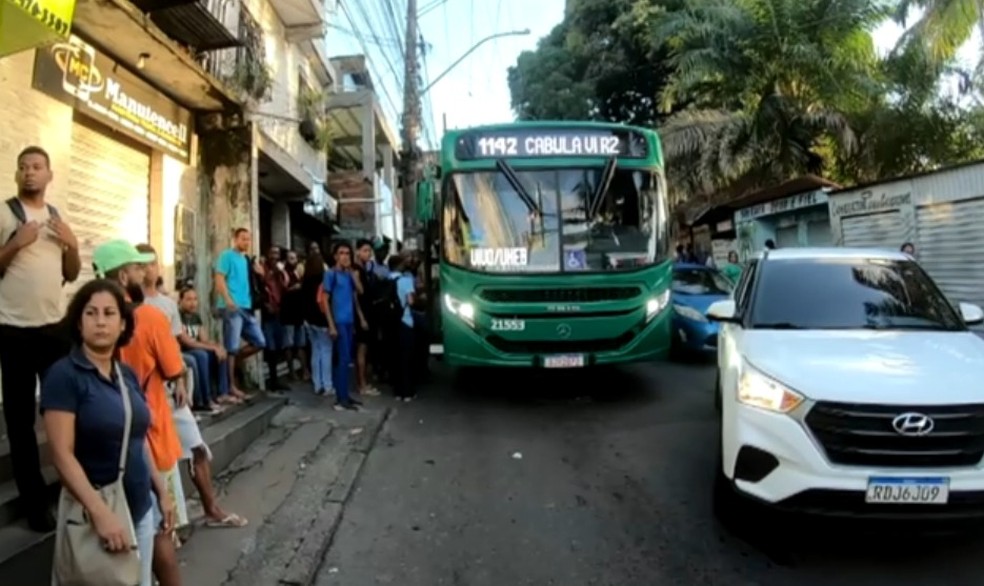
(75, 73)
(25, 24)
(874, 199)
(779, 206)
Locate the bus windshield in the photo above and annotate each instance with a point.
(555, 220)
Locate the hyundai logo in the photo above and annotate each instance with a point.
(563, 331)
(913, 424)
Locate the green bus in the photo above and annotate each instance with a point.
(553, 242)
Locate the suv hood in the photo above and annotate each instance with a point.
(889, 367)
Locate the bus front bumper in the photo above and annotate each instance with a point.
(465, 347)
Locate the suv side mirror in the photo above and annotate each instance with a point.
(972, 314)
(723, 311)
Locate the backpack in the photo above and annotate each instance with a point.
(386, 303)
(17, 209)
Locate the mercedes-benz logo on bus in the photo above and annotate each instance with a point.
(563, 331)
(913, 424)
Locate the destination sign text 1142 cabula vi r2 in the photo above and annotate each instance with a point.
(551, 142)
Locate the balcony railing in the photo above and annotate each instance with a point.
(243, 66)
(202, 25)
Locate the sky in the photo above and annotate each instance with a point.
(474, 91)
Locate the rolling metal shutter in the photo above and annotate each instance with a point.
(884, 230)
(950, 241)
(787, 237)
(818, 233)
(108, 194)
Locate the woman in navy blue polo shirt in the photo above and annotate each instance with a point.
(84, 418)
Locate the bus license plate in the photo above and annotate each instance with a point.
(564, 361)
(908, 491)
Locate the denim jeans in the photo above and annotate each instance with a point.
(146, 529)
(206, 362)
(321, 347)
(343, 343)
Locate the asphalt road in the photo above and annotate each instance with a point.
(588, 479)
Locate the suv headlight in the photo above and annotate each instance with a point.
(757, 390)
(462, 309)
(689, 313)
(657, 304)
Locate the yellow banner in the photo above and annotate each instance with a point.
(25, 24)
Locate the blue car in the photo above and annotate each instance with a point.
(695, 288)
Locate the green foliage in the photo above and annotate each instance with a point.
(596, 65)
(749, 93)
(311, 106)
(252, 77)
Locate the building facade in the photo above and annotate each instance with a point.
(941, 213)
(364, 158)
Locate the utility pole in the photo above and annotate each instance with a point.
(411, 106)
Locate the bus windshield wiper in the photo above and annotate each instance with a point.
(510, 175)
(607, 174)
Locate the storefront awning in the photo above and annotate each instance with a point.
(25, 24)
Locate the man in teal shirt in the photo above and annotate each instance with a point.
(235, 305)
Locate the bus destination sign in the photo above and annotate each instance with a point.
(550, 142)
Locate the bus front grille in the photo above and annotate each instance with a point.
(560, 346)
(557, 295)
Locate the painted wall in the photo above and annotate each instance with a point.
(27, 118)
(753, 234)
(287, 64)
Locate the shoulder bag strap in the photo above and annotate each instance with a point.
(128, 417)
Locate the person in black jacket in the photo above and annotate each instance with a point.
(316, 321)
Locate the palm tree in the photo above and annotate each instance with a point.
(944, 27)
(770, 82)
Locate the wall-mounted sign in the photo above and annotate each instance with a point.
(25, 24)
(527, 143)
(874, 199)
(73, 72)
(779, 206)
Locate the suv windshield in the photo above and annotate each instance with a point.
(548, 226)
(700, 282)
(849, 294)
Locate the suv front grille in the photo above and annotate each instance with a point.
(863, 435)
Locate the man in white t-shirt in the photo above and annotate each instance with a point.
(40, 253)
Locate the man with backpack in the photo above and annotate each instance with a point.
(40, 254)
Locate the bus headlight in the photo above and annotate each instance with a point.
(462, 309)
(657, 304)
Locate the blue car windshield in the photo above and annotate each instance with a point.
(700, 282)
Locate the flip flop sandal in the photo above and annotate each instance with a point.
(230, 521)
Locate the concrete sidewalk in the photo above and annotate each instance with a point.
(291, 484)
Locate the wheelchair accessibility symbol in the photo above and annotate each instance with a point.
(575, 260)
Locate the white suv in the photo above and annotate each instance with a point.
(848, 385)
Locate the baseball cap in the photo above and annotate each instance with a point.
(114, 254)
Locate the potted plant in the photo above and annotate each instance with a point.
(313, 126)
(252, 77)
